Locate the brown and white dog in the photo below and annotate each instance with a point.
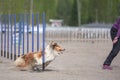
(34, 59)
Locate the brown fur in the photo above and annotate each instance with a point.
(38, 54)
(30, 59)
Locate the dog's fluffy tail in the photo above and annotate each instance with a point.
(19, 62)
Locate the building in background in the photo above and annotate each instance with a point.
(56, 23)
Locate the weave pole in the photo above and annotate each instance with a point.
(43, 41)
(14, 37)
(38, 43)
(32, 32)
(5, 18)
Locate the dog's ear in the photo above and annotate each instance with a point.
(53, 43)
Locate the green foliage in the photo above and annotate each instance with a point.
(73, 21)
(102, 11)
(63, 10)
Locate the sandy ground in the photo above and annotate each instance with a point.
(80, 61)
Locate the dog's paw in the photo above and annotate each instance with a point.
(37, 68)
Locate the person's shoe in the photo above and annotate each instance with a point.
(107, 67)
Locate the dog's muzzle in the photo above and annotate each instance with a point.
(61, 51)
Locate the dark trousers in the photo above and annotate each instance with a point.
(116, 48)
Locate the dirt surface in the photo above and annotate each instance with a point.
(80, 61)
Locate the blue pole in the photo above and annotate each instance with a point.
(43, 37)
(11, 37)
(27, 33)
(32, 32)
(23, 31)
(8, 35)
(19, 34)
(37, 17)
(0, 34)
(14, 37)
(5, 36)
(1, 38)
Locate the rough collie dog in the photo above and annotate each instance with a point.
(33, 60)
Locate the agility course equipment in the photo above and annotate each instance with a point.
(18, 35)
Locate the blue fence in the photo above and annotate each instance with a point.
(17, 34)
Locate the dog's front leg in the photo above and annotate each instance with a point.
(37, 68)
(38, 65)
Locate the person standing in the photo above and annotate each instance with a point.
(115, 36)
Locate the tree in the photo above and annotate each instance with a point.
(73, 21)
(63, 10)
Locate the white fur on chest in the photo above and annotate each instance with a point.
(49, 56)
